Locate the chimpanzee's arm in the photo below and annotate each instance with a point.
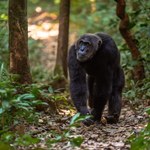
(78, 85)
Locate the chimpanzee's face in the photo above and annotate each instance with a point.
(86, 47)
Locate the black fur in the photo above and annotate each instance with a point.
(98, 79)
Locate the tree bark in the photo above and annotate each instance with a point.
(61, 60)
(18, 41)
(138, 72)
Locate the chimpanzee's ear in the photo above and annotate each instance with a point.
(100, 42)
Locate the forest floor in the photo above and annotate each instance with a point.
(96, 137)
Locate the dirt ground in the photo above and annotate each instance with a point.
(96, 137)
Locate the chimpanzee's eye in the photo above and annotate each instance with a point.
(84, 43)
(87, 43)
(81, 43)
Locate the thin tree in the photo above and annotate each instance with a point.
(138, 71)
(61, 60)
(18, 41)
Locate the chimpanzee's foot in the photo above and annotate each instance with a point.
(89, 121)
(112, 119)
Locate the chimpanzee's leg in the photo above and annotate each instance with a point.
(114, 106)
(102, 89)
(90, 90)
(102, 92)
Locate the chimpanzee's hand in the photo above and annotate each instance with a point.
(84, 110)
(89, 121)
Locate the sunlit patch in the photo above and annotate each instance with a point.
(46, 26)
(43, 31)
(67, 112)
(38, 9)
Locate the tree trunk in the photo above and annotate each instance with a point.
(18, 41)
(61, 61)
(138, 71)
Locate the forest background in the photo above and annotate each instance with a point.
(21, 104)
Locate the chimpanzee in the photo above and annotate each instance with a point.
(96, 75)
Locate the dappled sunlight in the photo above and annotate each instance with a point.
(65, 112)
(42, 27)
(38, 9)
(44, 31)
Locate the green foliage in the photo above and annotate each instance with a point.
(21, 106)
(17, 106)
(18, 140)
(67, 135)
(51, 6)
(95, 17)
(140, 20)
(78, 118)
(39, 72)
(141, 140)
(4, 146)
(3, 31)
(26, 140)
(74, 140)
(3, 73)
(139, 25)
(137, 92)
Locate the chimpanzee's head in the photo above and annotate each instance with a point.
(86, 46)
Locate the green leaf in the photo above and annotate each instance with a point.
(52, 141)
(39, 102)
(67, 134)
(58, 138)
(24, 104)
(1, 111)
(5, 104)
(148, 110)
(7, 137)
(77, 141)
(26, 96)
(2, 91)
(14, 101)
(35, 91)
(1, 70)
(74, 118)
(50, 90)
(24, 108)
(26, 140)
(78, 117)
